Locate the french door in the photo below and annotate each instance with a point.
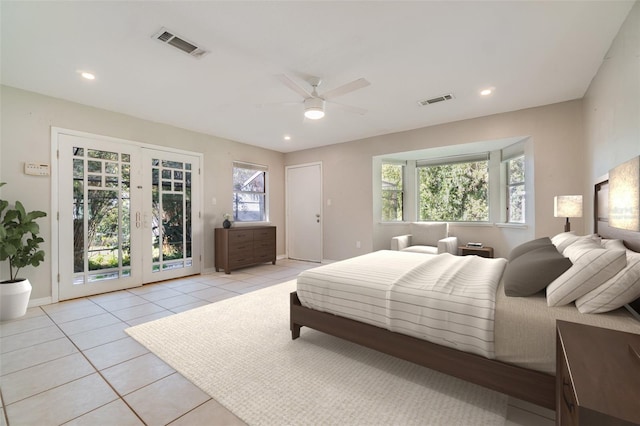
(129, 215)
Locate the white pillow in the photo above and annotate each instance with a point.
(563, 240)
(592, 266)
(613, 244)
(623, 288)
(580, 247)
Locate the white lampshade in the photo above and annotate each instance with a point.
(314, 108)
(624, 195)
(567, 206)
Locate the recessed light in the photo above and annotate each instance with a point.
(287, 137)
(486, 92)
(88, 75)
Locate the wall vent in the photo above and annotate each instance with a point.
(167, 37)
(435, 100)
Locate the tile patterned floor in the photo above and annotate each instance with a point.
(71, 363)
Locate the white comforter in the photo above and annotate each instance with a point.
(446, 299)
(449, 300)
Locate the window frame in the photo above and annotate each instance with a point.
(509, 185)
(264, 195)
(401, 191)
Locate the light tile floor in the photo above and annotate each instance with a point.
(72, 363)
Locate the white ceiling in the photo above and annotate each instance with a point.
(533, 53)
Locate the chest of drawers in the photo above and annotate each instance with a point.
(239, 247)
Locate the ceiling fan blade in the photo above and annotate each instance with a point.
(346, 88)
(276, 104)
(350, 108)
(294, 86)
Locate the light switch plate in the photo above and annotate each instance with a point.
(36, 169)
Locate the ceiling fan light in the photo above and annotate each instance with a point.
(314, 108)
(314, 113)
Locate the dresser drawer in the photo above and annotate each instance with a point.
(244, 261)
(240, 246)
(261, 245)
(264, 234)
(237, 236)
(264, 257)
(568, 408)
(246, 253)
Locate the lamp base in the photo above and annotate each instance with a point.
(567, 226)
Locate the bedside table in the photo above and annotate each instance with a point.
(597, 376)
(478, 251)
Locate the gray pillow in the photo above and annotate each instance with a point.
(528, 246)
(534, 270)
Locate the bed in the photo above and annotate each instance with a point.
(520, 362)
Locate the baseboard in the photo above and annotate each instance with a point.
(40, 302)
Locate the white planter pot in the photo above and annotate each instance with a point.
(14, 299)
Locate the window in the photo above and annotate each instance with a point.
(454, 189)
(249, 192)
(392, 192)
(515, 190)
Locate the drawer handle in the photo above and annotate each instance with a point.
(568, 403)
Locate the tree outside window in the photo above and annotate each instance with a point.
(249, 193)
(392, 192)
(515, 190)
(454, 191)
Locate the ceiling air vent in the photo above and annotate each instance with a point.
(425, 102)
(167, 37)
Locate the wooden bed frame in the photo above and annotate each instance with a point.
(519, 382)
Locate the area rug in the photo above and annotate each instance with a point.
(240, 352)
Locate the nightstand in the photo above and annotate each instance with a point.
(478, 251)
(597, 376)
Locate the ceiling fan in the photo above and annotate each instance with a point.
(314, 103)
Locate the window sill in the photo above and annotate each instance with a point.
(480, 224)
(512, 225)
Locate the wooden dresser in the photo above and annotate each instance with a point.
(598, 376)
(244, 246)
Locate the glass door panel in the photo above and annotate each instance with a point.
(171, 204)
(96, 240)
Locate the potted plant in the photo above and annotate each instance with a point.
(19, 245)
(226, 223)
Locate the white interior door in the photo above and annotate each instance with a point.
(128, 215)
(304, 212)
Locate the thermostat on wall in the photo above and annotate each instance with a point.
(37, 169)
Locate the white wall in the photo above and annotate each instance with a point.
(556, 137)
(611, 106)
(27, 119)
